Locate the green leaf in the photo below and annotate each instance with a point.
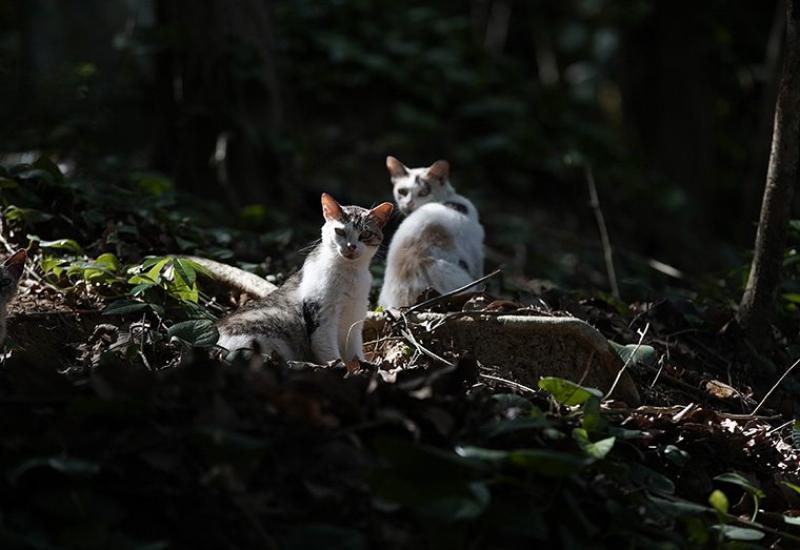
(124, 307)
(44, 163)
(732, 532)
(154, 272)
(6, 183)
(433, 482)
(791, 520)
(719, 501)
(598, 449)
(677, 456)
(511, 400)
(26, 215)
(593, 421)
(108, 261)
(677, 507)
(548, 463)
(630, 354)
(741, 481)
(64, 465)
(650, 479)
(185, 270)
(325, 536)
(141, 288)
(519, 424)
(489, 455)
(566, 392)
(201, 333)
(792, 486)
(62, 244)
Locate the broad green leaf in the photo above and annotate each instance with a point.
(489, 455)
(109, 261)
(140, 289)
(548, 463)
(719, 501)
(677, 456)
(521, 423)
(597, 449)
(6, 183)
(592, 420)
(154, 273)
(511, 400)
(792, 486)
(675, 507)
(792, 520)
(631, 355)
(44, 163)
(64, 465)
(124, 307)
(733, 532)
(62, 244)
(184, 292)
(650, 479)
(433, 482)
(51, 264)
(741, 481)
(624, 433)
(200, 333)
(566, 392)
(26, 215)
(329, 537)
(185, 270)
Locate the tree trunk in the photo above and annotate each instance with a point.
(220, 78)
(758, 301)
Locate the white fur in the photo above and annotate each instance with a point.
(341, 287)
(409, 192)
(445, 272)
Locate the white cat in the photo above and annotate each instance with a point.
(439, 244)
(317, 314)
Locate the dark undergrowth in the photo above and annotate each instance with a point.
(128, 435)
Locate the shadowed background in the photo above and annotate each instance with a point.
(259, 106)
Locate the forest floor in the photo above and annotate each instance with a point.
(121, 430)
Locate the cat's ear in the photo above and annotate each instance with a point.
(439, 170)
(396, 168)
(331, 209)
(382, 213)
(15, 263)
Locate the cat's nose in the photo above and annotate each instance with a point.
(351, 246)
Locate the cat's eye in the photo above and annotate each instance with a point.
(424, 192)
(366, 235)
(339, 231)
(403, 192)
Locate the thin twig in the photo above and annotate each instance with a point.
(453, 292)
(509, 382)
(779, 428)
(661, 364)
(649, 409)
(778, 383)
(628, 361)
(424, 350)
(608, 253)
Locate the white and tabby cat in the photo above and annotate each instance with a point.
(439, 245)
(318, 312)
(10, 273)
